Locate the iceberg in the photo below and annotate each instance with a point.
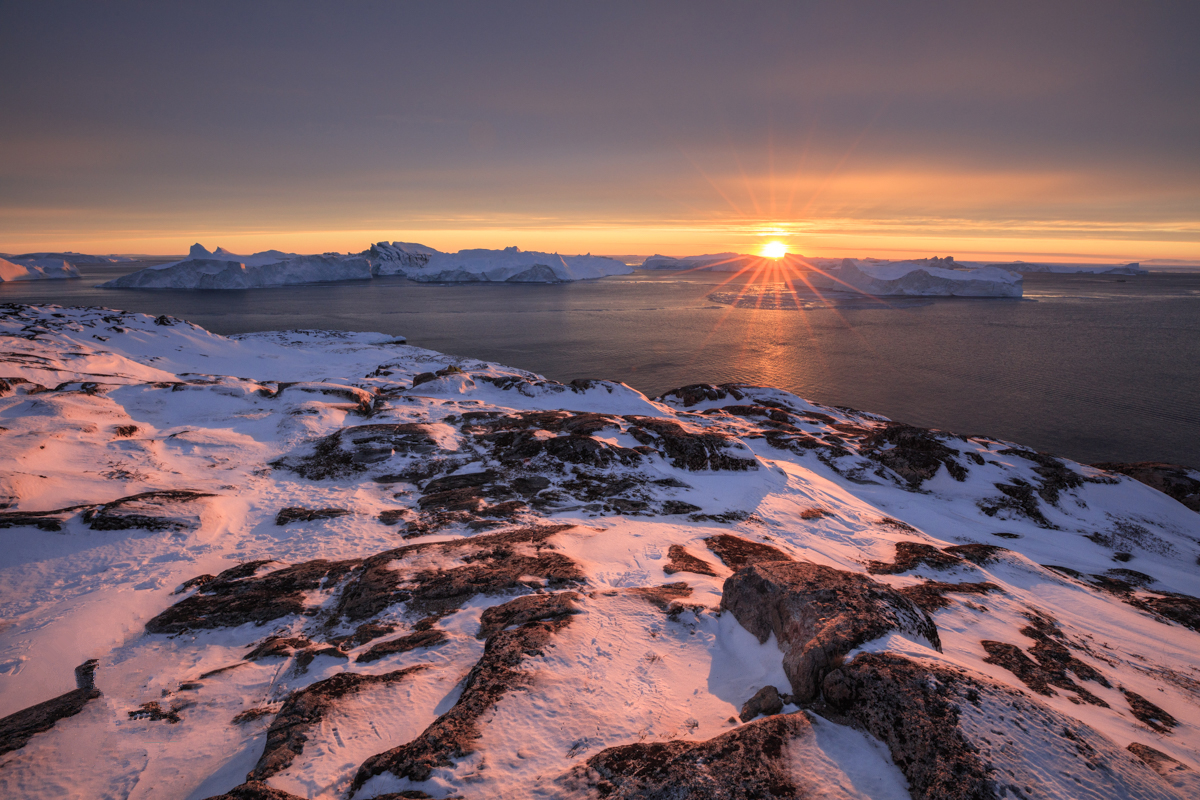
(221, 269)
(224, 270)
(510, 265)
(916, 278)
(69, 257)
(1132, 268)
(36, 269)
(717, 262)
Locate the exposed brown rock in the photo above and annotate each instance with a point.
(913, 709)
(255, 790)
(363, 634)
(1056, 476)
(152, 511)
(231, 599)
(910, 555)
(1181, 608)
(305, 708)
(1053, 663)
(689, 446)
(695, 393)
(750, 762)
(662, 597)
(915, 454)
(1173, 480)
(154, 711)
(527, 609)
(251, 714)
(931, 595)
(818, 614)
(451, 482)
(1149, 713)
(453, 734)
(298, 514)
(765, 701)
(1170, 768)
(737, 552)
(19, 727)
(496, 563)
(277, 647)
(353, 450)
(978, 554)
(427, 638)
(680, 560)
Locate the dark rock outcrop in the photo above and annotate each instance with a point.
(1173, 480)
(915, 454)
(453, 734)
(304, 709)
(930, 596)
(936, 721)
(527, 609)
(18, 728)
(1054, 661)
(910, 555)
(680, 560)
(495, 563)
(750, 762)
(298, 514)
(765, 701)
(236, 596)
(413, 641)
(737, 552)
(152, 511)
(689, 446)
(818, 614)
(255, 790)
(353, 450)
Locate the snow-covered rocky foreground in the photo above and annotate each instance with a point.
(321, 564)
(222, 269)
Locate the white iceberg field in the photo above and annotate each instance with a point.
(39, 269)
(225, 270)
(916, 278)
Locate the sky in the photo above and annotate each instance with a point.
(1049, 130)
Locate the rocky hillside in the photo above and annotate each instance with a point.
(328, 565)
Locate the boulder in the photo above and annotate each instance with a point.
(818, 614)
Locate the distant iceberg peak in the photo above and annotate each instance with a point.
(198, 251)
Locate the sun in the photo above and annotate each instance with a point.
(774, 250)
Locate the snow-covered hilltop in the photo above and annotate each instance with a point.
(36, 269)
(316, 564)
(224, 270)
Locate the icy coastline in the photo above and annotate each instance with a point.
(318, 564)
(224, 270)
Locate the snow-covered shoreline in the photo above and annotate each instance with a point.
(287, 551)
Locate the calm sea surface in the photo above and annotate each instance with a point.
(1093, 368)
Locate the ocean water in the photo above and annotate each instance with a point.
(1095, 368)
